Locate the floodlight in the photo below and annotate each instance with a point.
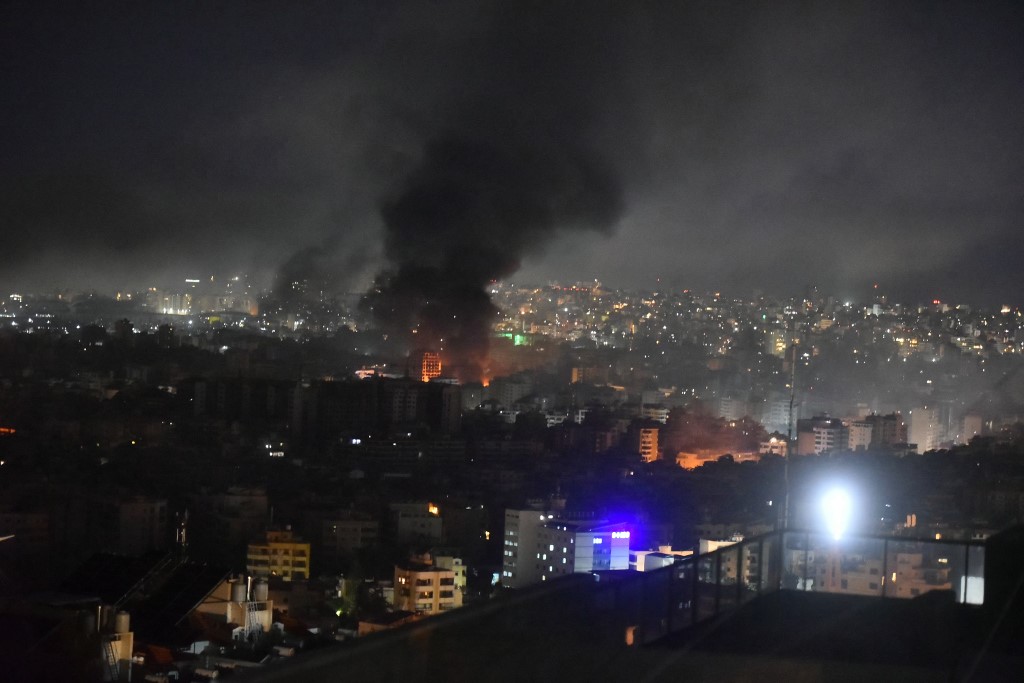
(836, 507)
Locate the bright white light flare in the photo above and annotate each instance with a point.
(837, 506)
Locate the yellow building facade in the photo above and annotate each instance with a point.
(282, 555)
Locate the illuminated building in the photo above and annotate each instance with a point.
(859, 435)
(728, 570)
(430, 366)
(426, 589)
(689, 460)
(650, 560)
(117, 646)
(578, 548)
(915, 576)
(820, 435)
(698, 620)
(776, 341)
(521, 528)
(648, 443)
(853, 575)
(280, 555)
(925, 428)
(456, 566)
(540, 546)
(776, 445)
(643, 438)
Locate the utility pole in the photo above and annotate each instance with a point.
(789, 433)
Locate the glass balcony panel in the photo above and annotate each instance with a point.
(750, 562)
(707, 586)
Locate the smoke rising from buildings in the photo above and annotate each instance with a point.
(147, 146)
(496, 182)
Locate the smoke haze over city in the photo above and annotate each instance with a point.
(730, 145)
(663, 340)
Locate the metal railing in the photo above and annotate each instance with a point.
(699, 588)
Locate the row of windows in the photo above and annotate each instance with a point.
(263, 550)
(550, 568)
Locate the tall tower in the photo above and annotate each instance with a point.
(430, 365)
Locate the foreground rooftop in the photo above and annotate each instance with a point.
(676, 624)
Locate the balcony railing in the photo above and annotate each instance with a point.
(699, 588)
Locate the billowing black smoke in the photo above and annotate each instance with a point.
(514, 164)
(305, 274)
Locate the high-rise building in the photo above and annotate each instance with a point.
(887, 430)
(925, 428)
(821, 434)
(973, 426)
(776, 341)
(430, 365)
(860, 432)
(541, 545)
(643, 438)
(521, 527)
(774, 414)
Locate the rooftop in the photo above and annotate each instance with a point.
(689, 622)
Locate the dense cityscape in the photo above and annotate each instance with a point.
(216, 432)
(511, 341)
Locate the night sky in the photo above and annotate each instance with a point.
(731, 146)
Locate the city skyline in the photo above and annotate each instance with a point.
(739, 148)
(214, 288)
(689, 335)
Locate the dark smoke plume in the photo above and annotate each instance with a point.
(515, 164)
